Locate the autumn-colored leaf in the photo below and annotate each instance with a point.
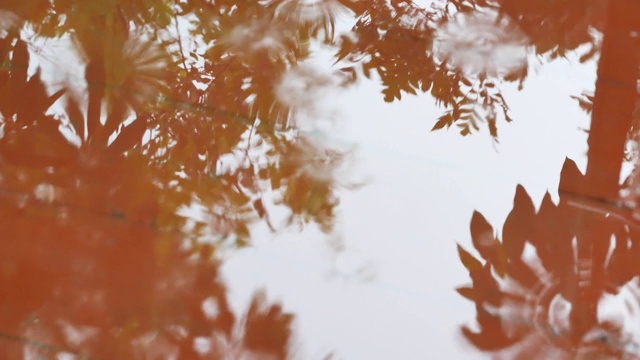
(471, 263)
(75, 116)
(268, 328)
(445, 120)
(493, 129)
(585, 103)
(481, 233)
(259, 206)
(129, 136)
(467, 292)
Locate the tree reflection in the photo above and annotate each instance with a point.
(462, 52)
(175, 113)
(178, 108)
(414, 49)
(546, 289)
(541, 291)
(93, 260)
(77, 282)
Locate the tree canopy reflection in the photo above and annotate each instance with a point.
(545, 289)
(177, 107)
(97, 171)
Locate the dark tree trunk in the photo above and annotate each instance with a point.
(614, 103)
(615, 97)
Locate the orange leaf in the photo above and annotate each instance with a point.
(129, 136)
(471, 263)
(467, 292)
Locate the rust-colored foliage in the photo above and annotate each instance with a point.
(539, 291)
(398, 40)
(175, 109)
(104, 287)
(521, 295)
(462, 51)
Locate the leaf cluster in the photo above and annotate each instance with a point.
(506, 279)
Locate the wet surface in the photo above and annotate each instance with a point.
(319, 179)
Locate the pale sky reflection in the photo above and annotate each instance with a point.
(401, 228)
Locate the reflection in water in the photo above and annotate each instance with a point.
(550, 287)
(544, 289)
(123, 180)
(482, 44)
(93, 262)
(101, 256)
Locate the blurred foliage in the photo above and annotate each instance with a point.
(399, 41)
(75, 281)
(176, 110)
(93, 260)
(544, 301)
(546, 288)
